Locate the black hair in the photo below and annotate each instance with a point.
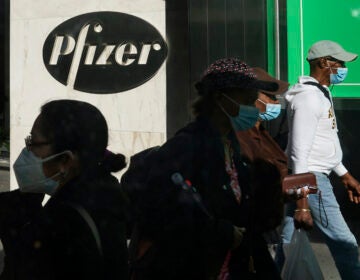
(81, 128)
(204, 104)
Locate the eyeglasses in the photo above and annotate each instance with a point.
(330, 58)
(29, 143)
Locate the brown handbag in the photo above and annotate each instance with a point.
(300, 185)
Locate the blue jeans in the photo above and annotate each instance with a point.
(338, 237)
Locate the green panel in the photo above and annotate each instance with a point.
(310, 21)
(270, 36)
(295, 57)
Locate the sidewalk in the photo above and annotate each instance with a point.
(324, 258)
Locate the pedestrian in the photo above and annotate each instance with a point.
(80, 232)
(197, 218)
(257, 142)
(314, 147)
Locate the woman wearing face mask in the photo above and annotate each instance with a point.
(258, 145)
(80, 232)
(257, 142)
(203, 227)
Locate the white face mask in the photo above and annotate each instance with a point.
(30, 175)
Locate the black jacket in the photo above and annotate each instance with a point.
(56, 242)
(189, 243)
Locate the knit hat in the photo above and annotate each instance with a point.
(232, 73)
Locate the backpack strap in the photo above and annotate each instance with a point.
(320, 87)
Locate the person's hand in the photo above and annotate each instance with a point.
(302, 216)
(238, 236)
(303, 219)
(353, 187)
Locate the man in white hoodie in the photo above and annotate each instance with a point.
(314, 147)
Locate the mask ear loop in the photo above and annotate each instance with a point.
(262, 101)
(331, 72)
(332, 85)
(265, 107)
(232, 100)
(222, 108)
(70, 153)
(63, 174)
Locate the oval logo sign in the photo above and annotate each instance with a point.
(104, 52)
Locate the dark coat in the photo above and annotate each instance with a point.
(55, 241)
(187, 242)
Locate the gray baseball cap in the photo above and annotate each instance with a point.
(330, 48)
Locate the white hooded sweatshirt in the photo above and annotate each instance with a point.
(313, 143)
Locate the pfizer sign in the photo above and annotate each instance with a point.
(104, 52)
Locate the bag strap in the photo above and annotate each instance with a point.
(320, 87)
(91, 224)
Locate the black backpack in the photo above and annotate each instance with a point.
(134, 180)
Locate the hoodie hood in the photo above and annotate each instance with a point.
(300, 87)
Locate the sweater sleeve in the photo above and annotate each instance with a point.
(305, 115)
(340, 169)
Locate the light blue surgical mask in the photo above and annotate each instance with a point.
(30, 175)
(339, 77)
(272, 111)
(246, 117)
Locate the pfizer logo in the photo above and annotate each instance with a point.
(104, 52)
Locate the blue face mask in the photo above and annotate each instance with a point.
(272, 111)
(339, 77)
(30, 176)
(246, 117)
